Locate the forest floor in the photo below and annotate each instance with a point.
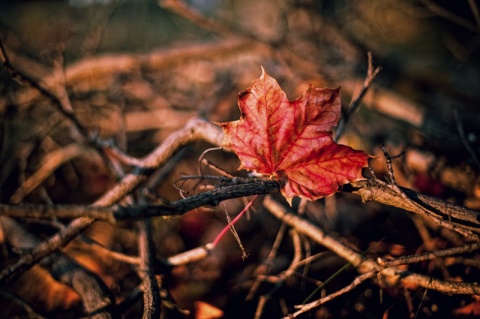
(73, 105)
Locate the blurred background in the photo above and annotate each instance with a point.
(427, 50)
(135, 71)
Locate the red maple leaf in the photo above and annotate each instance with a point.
(292, 141)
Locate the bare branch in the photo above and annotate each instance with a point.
(28, 81)
(430, 255)
(442, 12)
(151, 290)
(264, 268)
(476, 14)
(283, 276)
(466, 144)
(368, 190)
(355, 103)
(117, 212)
(194, 131)
(104, 67)
(390, 275)
(49, 164)
(202, 130)
(317, 303)
(381, 192)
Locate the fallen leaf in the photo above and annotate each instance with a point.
(207, 311)
(471, 309)
(292, 141)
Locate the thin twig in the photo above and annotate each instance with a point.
(429, 255)
(28, 81)
(234, 232)
(310, 259)
(30, 312)
(355, 283)
(297, 255)
(216, 168)
(266, 265)
(421, 302)
(356, 102)
(182, 9)
(363, 264)
(465, 142)
(232, 223)
(388, 161)
(102, 250)
(442, 12)
(48, 165)
(476, 14)
(190, 256)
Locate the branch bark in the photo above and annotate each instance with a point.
(117, 212)
(151, 290)
(381, 192)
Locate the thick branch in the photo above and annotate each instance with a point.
(369, 190)
(117, 212)
(381, 192)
